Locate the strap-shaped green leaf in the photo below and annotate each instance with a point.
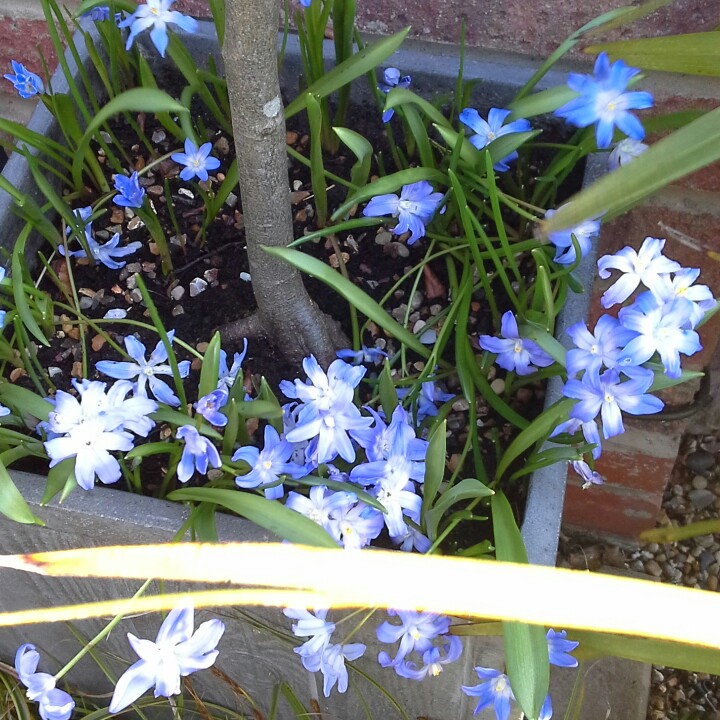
(272, 516)
(368, 58)
(12, 503)
(526, 650)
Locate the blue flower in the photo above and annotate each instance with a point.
(699, 298)
(602, 347)
(559, 649)
(317, 629)
(2, 312)
(588, 475)
(602, 101)
(323, 507)
(146, 371)
(226, 378)
(624, 152)
(156, 14)
(90, 429)
(101, 12)
(584, 233)
(433, 660)
(425, 402)
(26, 83)
(493, 128)
(131, 194)
(392, 80)
(268, 464)
(209, 407)
(197, 454)
(605, 394)
(327, 411)
(107, 253)
(378, 440)
(659, 327)
(54, 704)
(416, 632)
(647, 265)
(414, 209)
(176, 652)
(332, 665)
(589, 429)
(197, 161)
(356, 526)
(306, 3)
(364, 355)
(513, 352)
(495, 691)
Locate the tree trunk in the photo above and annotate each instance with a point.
(288, 316)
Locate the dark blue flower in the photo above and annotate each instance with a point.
(493, 128)
(392, 80)
(559, 649)
(414, 209)
(209, 407)
(26, 83)
(131, 194)
(603, 101)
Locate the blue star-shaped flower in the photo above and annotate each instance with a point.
(392, 80)
(414, 209)
(131, 194)
(603, 101)
(493, 128)
(158, 15)
(197, 161)
(26, 83)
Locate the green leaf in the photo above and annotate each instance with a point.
(526, 650)
(317, 166)
(541, 103)
(662, 381)
(398, 97)
(162, 447)
(232, 429)
(550, 457)
(363, 151)
(210, 367)
(434, 472)
(361, 62)
(353, 294)
(466, 489)
(203, 522)
(58, 478)
(25, 401)
(553, 347)
(538, 429)
(389, 184)
(388, 393)
(341, 486)
(148, 100)
(692, 54)
(12, 503)
(21, 304)
(272, 516)
(674, 533)
(267, 395)
(265, 409)
(648, 650)
(688, 149)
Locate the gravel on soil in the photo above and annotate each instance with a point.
(693, 494)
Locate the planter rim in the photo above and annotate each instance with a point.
(543, 513)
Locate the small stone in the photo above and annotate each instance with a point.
(383, 237)
(653, 568)
(197, 286)
(135, 296)
(396, 249)
(156, 191)
(705, 541)
(222, 145)
(699, 482)
(245, 276)
(201, 347)
(211, 275)
(54, 371)
(712, 582)
(700, 499)
(335, 263)
(135, 223)
(186, 193)
(116, 314)
(700, 461)
(231, 200)
(116, 217)
(158, 136)
(652, 548)
(131, 282)
(461, 405)
(77, 370)
(98, 342)
(177, 292)
(178, 310)
(498, 386)
(16, 374)
(291, 137)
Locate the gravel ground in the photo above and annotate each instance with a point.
(693, 494)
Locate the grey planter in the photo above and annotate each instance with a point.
(254, 658)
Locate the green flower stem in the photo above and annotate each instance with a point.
(100, 636)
